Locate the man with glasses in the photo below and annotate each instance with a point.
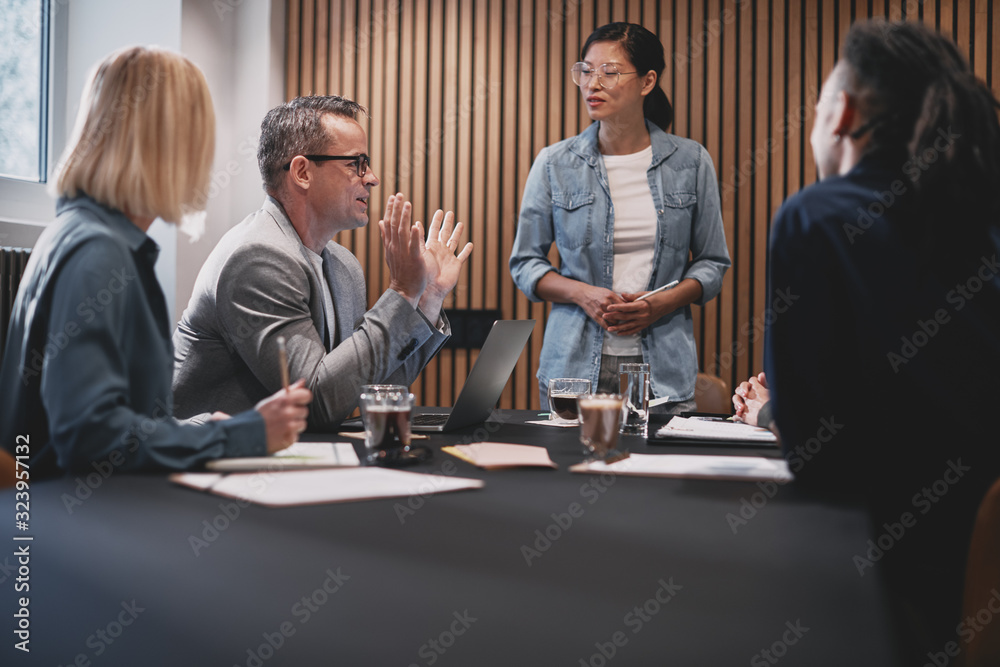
(279, 274)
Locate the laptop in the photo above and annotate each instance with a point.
(486, 380)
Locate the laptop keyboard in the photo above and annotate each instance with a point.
(430, 420)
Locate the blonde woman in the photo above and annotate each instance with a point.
(87, 368)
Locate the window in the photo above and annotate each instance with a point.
(24, 51)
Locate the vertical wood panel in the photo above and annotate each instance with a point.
(464, 94)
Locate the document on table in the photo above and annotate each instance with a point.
(492, 455)
(299, 456)
(685, 465)
(692, 428)
(557, 422)
(314, 487)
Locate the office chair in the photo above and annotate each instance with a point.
(982, 584)
(712, 394)
(7, 466)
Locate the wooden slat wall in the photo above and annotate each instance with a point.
(463, 95)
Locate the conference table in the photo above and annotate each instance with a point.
(538, 567)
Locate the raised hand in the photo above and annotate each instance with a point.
(442, 263)
(403, 244)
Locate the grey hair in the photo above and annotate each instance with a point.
(296, 128)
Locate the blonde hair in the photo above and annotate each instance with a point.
(144, 138)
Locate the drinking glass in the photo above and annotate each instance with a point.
(563, 393)
(600, 417)
(635, 388)
(387, 425)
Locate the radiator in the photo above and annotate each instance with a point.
(12, 263)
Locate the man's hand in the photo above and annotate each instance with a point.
(403, 244)
(285, 415)
(750, 397)
(442, 264)
(595, 301)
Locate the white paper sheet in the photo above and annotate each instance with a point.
(688, 465)
(299, 456)
(331, 485)
(702, 429)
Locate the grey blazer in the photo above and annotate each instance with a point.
(259, 283)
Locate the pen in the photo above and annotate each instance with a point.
(283, 362)
(658, 289)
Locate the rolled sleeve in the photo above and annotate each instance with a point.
(709, 253)
(535, 232)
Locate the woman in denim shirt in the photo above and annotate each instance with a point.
(630, 209)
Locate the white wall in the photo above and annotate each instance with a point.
(238, 44)
(97, 27)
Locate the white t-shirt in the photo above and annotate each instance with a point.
(635, 233)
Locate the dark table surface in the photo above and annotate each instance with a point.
(540, 567)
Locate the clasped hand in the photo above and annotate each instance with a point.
(621, 314)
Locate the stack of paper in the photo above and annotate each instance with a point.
(692, 428)
(682, 465)
(311, 487)
(492, 455)
(297, 457)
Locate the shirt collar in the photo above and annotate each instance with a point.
(585, 144)
(136, 239)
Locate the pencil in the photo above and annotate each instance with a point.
(283, 362)
(658, 289)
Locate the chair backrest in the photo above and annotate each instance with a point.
(982, 584)
(712, 394)
(7, 468)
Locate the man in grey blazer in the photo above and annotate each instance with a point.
(279, 273)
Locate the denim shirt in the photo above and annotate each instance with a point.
(88, 363)
(567, 200)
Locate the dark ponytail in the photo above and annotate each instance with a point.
(645, 52)
(926, 109)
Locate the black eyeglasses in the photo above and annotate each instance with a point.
(361, 162)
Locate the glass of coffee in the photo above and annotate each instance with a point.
(378, 389)
(386, 417)
(563, 393)
(600, 418)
